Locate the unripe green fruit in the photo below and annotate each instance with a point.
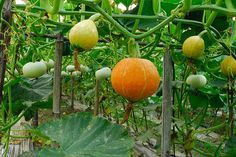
(103, 73)
(50, 64)
(193, 47)
(70, 68)
(196, 81)
(52, 70)
(64, 74)
(84, 34)
(76, 73)
(34, 70)
(84, 68)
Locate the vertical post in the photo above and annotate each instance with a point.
(166, 105)
(57, 76)
(5, 37)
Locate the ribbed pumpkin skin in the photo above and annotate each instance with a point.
(135, 78)
(193, 47)
(228, 66)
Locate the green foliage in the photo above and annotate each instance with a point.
(83, 135)
(198, 99)
(230, 147)
(33, 37)
(32, 92)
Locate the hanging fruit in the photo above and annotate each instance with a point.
(84, 35)
(135, 78)
(34, 70)
(228, 66)
(196, 81)
(193, 47)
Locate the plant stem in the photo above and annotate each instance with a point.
(233, 37)
(221, 10)
(7, 142)
(133, 48)
(203, 153)
(126, 16)
(12, 70)
(218, 9)
(206, 13)
(145, 119)
(51, 9)
(202, 33)
(82, 17)
(128, 109)
(97, 88)
(213, 15)
(35, 121)
(135, 123)
(126, 32)
(106, 6)
(201, 116)
(140, 9)
(14, 121)
(155, 44)
(76, 62)
(186, 5)
(210, 129)
(229, 5)
(1, 7)
(72, 91)
(231, 107)
(9, 102)
(47, 20)
(156, 6)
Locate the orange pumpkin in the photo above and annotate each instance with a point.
(135, 78)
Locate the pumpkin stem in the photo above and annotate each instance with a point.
(133, 48)
(192, 67)
(128, 110)
(76, 62)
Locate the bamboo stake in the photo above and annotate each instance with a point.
(166, 105)
(57, 76)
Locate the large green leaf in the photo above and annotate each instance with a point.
(83, 135)
(33, 90)
(216, 102)
(198, 99)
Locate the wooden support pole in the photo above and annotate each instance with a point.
(166, 105)
(5, 36)
(57, 76)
